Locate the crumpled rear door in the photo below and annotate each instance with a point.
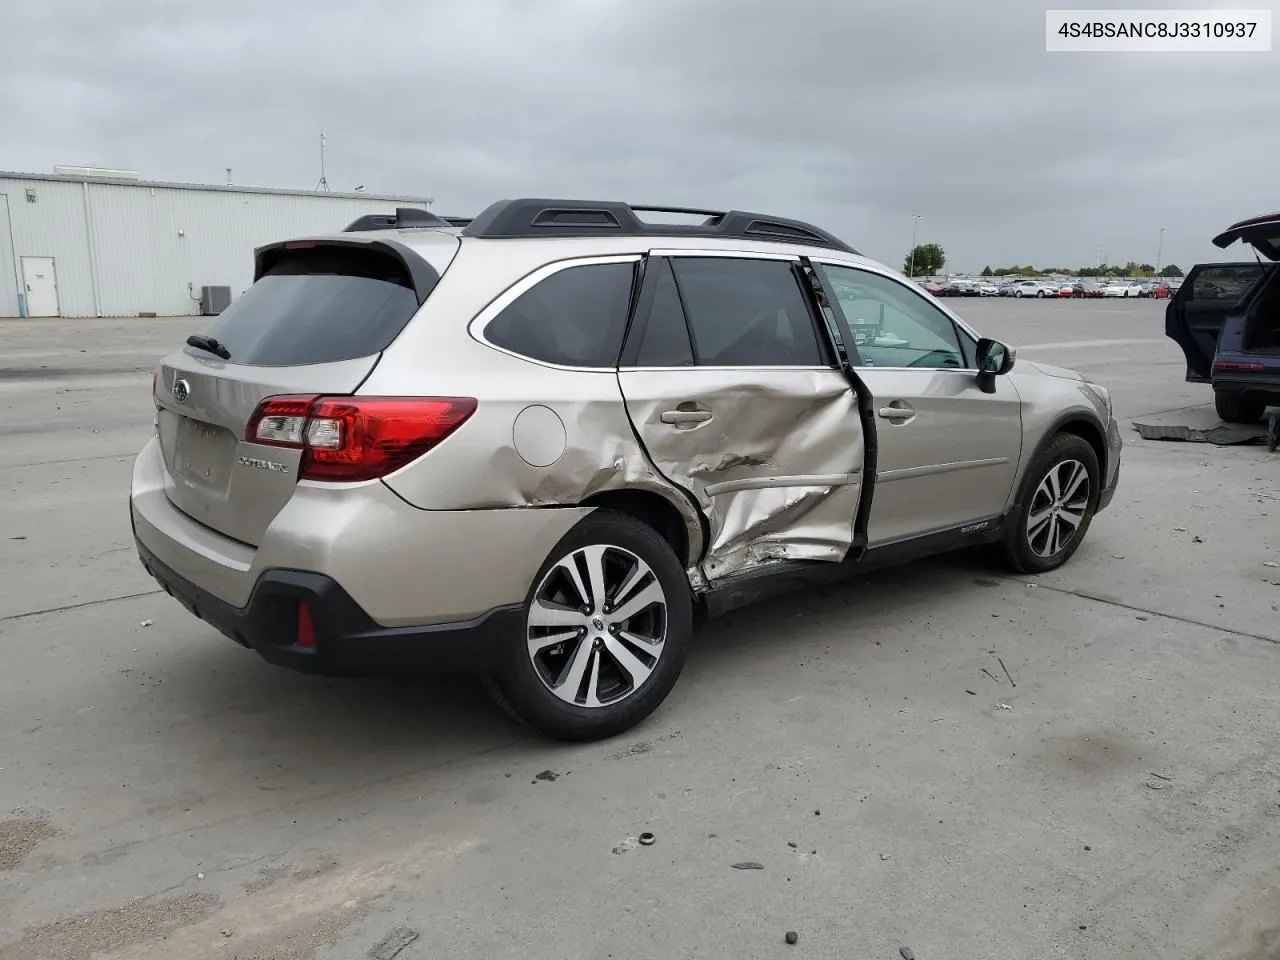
(773, 454)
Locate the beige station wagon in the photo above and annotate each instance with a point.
(538, 445)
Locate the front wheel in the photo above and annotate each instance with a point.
(1059, 498)
(607, 627)
(1239, 407)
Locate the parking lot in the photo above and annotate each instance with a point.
(940, 757)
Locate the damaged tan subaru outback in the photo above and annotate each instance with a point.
(538, 445)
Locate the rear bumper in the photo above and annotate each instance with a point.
(347, 641)
(403, 566)
(1266, 383)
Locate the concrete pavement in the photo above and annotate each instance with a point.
(164, 793)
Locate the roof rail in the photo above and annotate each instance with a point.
(404, 217)
(511, 219)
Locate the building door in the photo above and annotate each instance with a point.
(41, 286)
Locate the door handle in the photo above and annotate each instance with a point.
(681, 417)
(898, 410)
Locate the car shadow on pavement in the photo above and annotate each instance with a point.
(232, 701)
(280, 726)
(807, 623)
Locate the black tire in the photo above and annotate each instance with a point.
(1016, 550)
(518, 687)
(1239, 407)
(1017, 294)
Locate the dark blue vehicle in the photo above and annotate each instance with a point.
(1226, 319)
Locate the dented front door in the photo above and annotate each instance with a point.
(736, 402)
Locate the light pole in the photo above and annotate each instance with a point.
(1159, 251)
(915, 222)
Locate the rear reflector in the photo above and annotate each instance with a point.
(349, 439)
(306, 629)
(1233, 365)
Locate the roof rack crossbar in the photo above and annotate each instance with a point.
(533, 217)
(695, 211)
(403, 218)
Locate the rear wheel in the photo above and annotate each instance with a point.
(1239, 407)
(1059, 499)
(606, 630)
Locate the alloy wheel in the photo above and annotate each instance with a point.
(597, 625)
(1058, 508)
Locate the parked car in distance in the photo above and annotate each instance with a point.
(1121, 288)
(1068, 289)
(1226, 319)
(1146, 288)
(625, 428)
(1033, 288)
(1162, 291)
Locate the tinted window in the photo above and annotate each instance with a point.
(317, 307)
(574, 317)
(746, 312)
(1225, 283)
(892, 325)
(665, 342)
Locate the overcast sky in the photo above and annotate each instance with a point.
(851, 114)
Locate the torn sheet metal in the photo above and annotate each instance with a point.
(773, 457)
(1225, 435)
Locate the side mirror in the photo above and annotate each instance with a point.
(995, 359)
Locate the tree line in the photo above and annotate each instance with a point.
(929, 259)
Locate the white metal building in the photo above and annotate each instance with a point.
(101, 243)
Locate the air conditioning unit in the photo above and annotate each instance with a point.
(213, 300)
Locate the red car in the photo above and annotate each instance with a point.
(1162, 291)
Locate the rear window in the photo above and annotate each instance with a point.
(1226, 283)
(318, 306)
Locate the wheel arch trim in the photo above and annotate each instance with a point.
(1086, 426)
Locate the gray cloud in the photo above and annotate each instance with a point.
(854, 117)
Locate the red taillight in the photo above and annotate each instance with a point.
(1234, 365)
(306, 629)
(347, 439)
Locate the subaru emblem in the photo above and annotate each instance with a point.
(181, 389)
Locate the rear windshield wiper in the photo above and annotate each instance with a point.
(209, 345)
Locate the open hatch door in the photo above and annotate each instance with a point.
(1262, 233)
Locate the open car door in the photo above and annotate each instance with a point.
(1213, 291)
(1195, 315)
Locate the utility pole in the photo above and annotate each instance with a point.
(1159, 251)
(915, 222)
(324, 182)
